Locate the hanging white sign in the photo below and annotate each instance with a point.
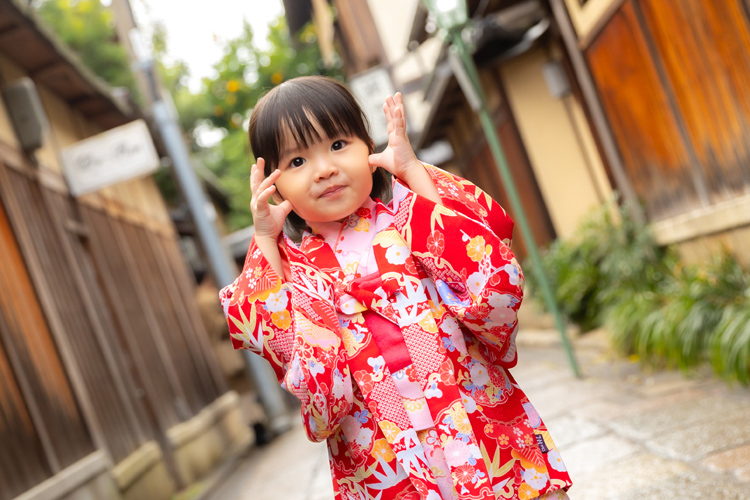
(120, 154)
(371, 87)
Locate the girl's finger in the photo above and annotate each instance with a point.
(253, 183)
(388, 117)
(286, 206)
(401, 117)
(263, 207)
(268, 181)
(399, 123)
(397, 112)
(256, 174)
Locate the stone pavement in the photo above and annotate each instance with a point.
(623, 432)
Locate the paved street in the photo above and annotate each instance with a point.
(623, 433)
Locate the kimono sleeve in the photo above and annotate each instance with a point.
(475, 273)
(260, 311)
(469, 200)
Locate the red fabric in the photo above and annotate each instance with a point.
(389, 339)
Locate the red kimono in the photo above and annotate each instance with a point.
(405, 371)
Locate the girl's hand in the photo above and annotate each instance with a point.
(268, 219)
(398, 158)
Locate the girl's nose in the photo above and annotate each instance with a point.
(326, 169)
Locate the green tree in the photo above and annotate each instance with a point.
(86, 27)
(244, 74)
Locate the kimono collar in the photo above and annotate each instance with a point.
(350, 239)
(330, 231)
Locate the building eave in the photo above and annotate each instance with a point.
(31, 45)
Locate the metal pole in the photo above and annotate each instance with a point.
(457, 45)
(219, 260)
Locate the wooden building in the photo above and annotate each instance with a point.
(549, 146)
(672, 79)
(546, 139)
(657, 109)
(655, 103)
(108, 388)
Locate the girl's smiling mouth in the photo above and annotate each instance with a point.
(331, 191)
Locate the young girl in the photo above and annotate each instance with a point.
(394, 323)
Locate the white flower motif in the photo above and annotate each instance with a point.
(315, 367)
(277, 301)
(469, 404)
(513, 273)
(476, 282)
(502, 315)
(338, 387)
(376, 363)
(433, 392)
(456, 452)
(450, 325)
(396, 254)
(479, 375)
(535, 479)
(364, 437)
(555, 461)
(500, 300)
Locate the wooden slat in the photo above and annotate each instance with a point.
(170, 342)
(704, 46)
(35, 358)
(96, 342)
(187, 329)
(22, 458)
(185, 288)
(43, 247)
(124, 293)
(647, 133)
(122, 284)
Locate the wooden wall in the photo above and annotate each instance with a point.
(674, 79)
(101, 345)
(42, 429)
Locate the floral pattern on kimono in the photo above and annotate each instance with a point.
(449, 281)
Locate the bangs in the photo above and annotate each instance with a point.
(296, 113)
(298, 126)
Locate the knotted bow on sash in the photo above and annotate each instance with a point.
(386, 334)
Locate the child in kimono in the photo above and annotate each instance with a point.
(393, 323)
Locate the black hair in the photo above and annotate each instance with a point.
(296, 106)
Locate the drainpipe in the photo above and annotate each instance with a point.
(588, 88)
(220, 262)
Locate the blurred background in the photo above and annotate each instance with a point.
(124, 207)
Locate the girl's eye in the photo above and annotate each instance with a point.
(297, 162)
(337, 145)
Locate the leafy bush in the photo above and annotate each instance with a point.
(612, 273)
(609, 255)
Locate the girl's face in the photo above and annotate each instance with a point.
(327, 181)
